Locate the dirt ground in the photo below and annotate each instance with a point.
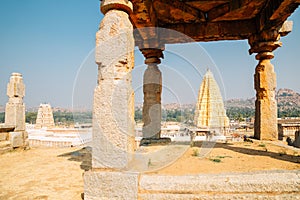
(56, 173)
(42, 173)
(235, 157)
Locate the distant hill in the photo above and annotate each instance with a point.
(288, 102)
(288, 99)
(240, 103)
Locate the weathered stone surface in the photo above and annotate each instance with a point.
(245, 196)
(4, 132)
(44, 117)
(110, 185)
(16, 139)
(113, 112)
(15, 108)
(210, 112)
(152, 88)
(16, 87)
(209, 20)
(283, 182)
(286, 28)
(3, 136)
(265, 104)
(124, 5)
(264, 43)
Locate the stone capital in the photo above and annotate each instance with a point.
(152, 56)
(124, 5)
(264, 44)
(16, 87)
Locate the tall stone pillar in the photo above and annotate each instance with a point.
(152, 88)
(113, 111)
(265, 84)
(15, 108)
(113, 107)
(15, 111)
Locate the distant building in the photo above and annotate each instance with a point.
(288, 127)
(44, 117)
(210, 112)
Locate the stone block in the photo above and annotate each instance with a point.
(103, 185)
(248, 196)
(16, 139)
(286, 28)
(3, 136)
(254, 182)
(15, 115)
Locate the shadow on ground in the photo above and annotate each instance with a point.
(83, 155)
(280, 155)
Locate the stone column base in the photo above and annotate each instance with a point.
(107, 185)
(18, 139)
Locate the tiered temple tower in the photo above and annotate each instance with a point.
(44, 117)
(210, 112)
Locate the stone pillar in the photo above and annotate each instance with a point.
(15, 108)
(264, 44)
(152, 88)
(15, 111)
(113, 107)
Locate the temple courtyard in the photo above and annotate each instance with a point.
(56, 173)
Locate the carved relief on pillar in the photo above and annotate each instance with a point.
(265, 84)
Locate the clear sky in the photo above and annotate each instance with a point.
(51, 43)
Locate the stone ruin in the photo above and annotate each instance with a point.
(14, 127)
(44, 117)
(261, 22)
(210, 112)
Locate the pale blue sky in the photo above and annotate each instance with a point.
(49, 42)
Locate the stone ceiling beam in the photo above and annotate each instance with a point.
(234, 30)
(177, 12)
(275, 13)
(145, 24)
(235, 4)
(218, 12)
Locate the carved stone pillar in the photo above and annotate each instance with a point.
(113, 107)
(113, 111)
(265, 85)
(152, 88)
(15, 111)
(15, 108)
